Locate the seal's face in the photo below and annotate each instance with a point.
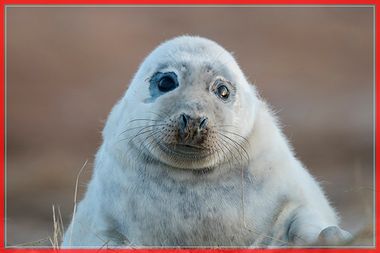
(191, 131)
(190, 106)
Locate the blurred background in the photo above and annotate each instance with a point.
(67, 66)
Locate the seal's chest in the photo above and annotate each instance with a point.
(190, 215)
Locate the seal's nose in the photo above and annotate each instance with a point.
(183, 121)
(191, 130)
(203, 123)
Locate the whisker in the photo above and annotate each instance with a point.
(136, 135)
(215, 150)
(142, 128)
(160, 114)
(230, 144)
(145, 120)
(151, 147)
(145, 140)
(238, 144)
(227, 146)
(238, 135)
(225, 155)
(221, 126)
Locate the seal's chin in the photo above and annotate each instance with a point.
(184, 156)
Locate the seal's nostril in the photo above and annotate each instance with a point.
(183, 121)
(203, 122)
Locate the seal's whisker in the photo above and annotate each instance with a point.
(141, 127)
(165, 113)
(238, 144)
(144, 120)
(234, 147)
(160, 114)
(146, 127)
(145, 140)
(221, 126)
(140, 131)
(150, 146)
(152, 141)
(232, 154)
(238, 135)
(227, 157)
(136, 135)
(216, 151)
(227, 154)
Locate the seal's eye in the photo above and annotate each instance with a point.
(167, 82)
(161, 83)
(223, 92)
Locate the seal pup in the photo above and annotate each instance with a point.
(193, 156)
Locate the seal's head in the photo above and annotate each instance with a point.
(189, 106)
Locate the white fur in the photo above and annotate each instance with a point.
(270, 201)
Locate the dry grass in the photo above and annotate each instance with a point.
(58, 228)
(56, 238)
(58, 231)
(75, 200)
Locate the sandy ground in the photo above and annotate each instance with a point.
(66, 67)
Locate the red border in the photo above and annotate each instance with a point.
(192, 2)
(2, 132)
(3, 3)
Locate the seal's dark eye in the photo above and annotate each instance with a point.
(167, 83)
(223, 92)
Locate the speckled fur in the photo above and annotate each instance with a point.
(253, 193)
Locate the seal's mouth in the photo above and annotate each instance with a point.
(189, 157)
(185, 151)
(187, 148)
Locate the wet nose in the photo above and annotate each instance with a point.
(203, 121)
(184, 122)
(191, 130)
